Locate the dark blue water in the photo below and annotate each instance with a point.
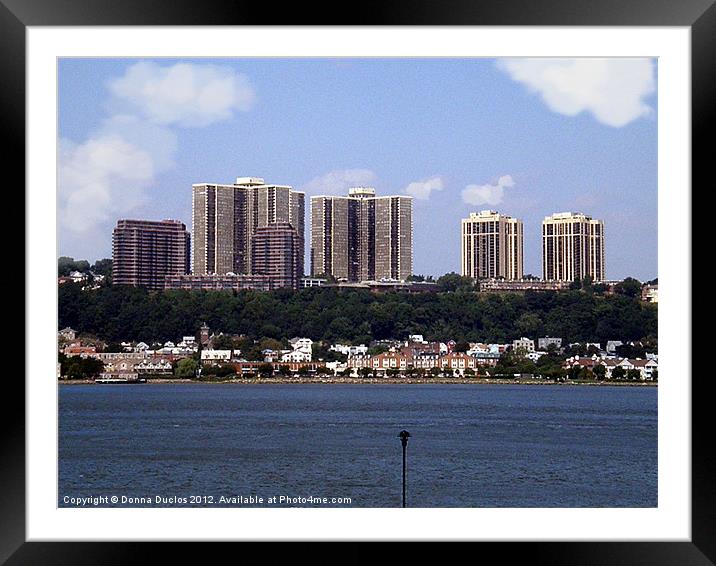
(471, 445)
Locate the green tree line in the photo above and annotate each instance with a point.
(116, 313)
(66, 265)
(76, 367)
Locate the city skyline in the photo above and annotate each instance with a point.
(496, 138)
(359, 237)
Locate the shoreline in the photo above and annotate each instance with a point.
(372, 381)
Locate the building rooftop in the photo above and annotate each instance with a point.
(361, 192)
(487, 214)
(565, 215)
(250, 181)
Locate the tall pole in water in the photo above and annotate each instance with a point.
(404, 435)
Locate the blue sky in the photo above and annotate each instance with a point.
(525, 137)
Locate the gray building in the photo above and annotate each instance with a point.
(226, 217)
(361, 236)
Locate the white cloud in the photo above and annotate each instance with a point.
(158, 141)
(99, 178)
(613, 90)
(185, 94)
(108, 175)
(421, 190)
(487, 194)
(339, 181)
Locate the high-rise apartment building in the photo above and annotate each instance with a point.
(145, 251)
(491, 246)
(225, 218)
(362, 237)
(275, 253)
(572, 247)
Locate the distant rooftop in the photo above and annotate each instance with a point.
(361, 192)
(561, 215)
(244, 182)
(491, 214)
(250, 181)
(167, 221)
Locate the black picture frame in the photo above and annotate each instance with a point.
(17, 15)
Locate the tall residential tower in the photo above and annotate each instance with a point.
(491, 246)
(226, 217)
(145, 251)
(572, 247)
(274, 253)
(362, 237)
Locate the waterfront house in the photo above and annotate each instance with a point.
(79, 350)
(585, 362)
(415, 349)
(489, 359)
(155, 366)
(458, 361)
(646, 367)
(298, 355)
(359, 361)
(609, 365)
(389, 360)
(120, 365)
(213, 356)
(426, 360)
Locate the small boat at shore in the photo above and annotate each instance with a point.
(123, 379)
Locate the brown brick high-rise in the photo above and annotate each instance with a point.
(144, 251)
(275, 253)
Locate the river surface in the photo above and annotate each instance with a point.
(471, 445)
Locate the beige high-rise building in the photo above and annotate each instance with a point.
(572, 247)
(491, 246)
(362, 237)
(225, 218)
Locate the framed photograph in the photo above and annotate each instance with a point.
(393, 280)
